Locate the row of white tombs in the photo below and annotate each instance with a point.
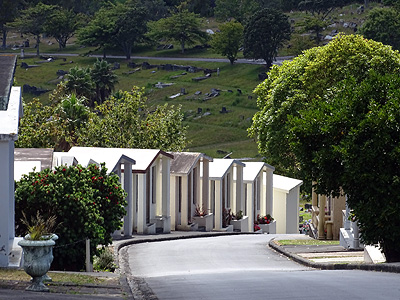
(185, 190)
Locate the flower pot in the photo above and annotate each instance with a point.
(268, 228)
(241, 225)
(206, 221)
(38, 256)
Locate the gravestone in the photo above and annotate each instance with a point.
(199, 110)
(223, 111)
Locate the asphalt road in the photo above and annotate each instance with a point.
(243, 267)
(278, 60)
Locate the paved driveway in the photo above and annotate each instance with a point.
(242, 267)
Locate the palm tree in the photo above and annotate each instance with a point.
(79, 82)
(104, 79)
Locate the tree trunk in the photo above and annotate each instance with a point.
(391, 251)
(37, 45)
(182, 47)
(4, 30)
(104, 53)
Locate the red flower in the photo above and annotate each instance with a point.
(63, 170)
(55, 172)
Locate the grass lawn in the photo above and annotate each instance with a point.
(307, 242)
(20, 275)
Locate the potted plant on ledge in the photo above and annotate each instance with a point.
(240, 222)
(37, 248)
(266, 223)
(203, 218)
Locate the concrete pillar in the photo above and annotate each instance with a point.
(128, 219)
(7, 204)
(218, 204)
(166, 187)
(184, 202)
(205, 186)
(270, 192)
(135, 199)
(263, 200)
(347, 221)
(173, 202)
(321, 221)
(239, 201)
(141, 219)
(159, 185)
(250, 206)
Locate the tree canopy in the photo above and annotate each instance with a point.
(383, 25)
(228, 40)
(328, 116)
(33, 20)
(264, 34)
(119, 25)
(183, 27)
(123, 121)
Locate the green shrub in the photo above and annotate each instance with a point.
(87, 202)
(104, 261)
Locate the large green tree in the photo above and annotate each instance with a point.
(228, 40)
(330, 116)
(62, 24)
(33, 21)
(8, 12)
(264, 34)
(119, 25)
(183, 27)
(383, 25)
(127, 122)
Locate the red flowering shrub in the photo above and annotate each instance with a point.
(87, 202)
(264, 220)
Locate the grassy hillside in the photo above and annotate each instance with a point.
(210, 131)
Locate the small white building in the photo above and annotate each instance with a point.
(189, 189)
(286, 204)
(258, 191)
(10, 113)
(226, 189)
(147, 184)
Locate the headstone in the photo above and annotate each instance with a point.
(131, 64)
(197, 93)
(183, 91)
(22, 53)
(24, 65)
(239, 91)
(116, 66)
(249, 97)
(26, 43)
(223, 111)
(217, 71)
(199, 110)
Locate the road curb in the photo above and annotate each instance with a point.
(385, 267)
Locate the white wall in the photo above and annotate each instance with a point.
(280, 211)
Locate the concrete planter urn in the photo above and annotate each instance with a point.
(206, 221)
(241, 225)
(268, 228)
(38, 256)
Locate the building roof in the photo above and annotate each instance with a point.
(43, 155)
(7, 68)
(184, 162)
(219, 167)
(285, 184)
(252, 169)
(141, 159)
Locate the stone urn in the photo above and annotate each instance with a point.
(38, 256)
